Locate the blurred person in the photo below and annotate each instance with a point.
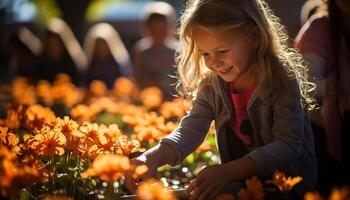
(324, 41)
(107, 56)
(154, 54)
(309, 8)
(61, 53)
(23, 51)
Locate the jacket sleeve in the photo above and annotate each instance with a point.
(193, 127)
(288, 134)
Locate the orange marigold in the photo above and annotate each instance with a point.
(127, 146)
(69, 129)
(98, 88)
(108, 168)
(284, 184)
(254, 190)
(10, 140)
(50, 142)
(151, 97)
(154, 189)
(124, 87)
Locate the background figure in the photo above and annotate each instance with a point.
(61, 53)
(107, 56)
(153, 55)
(325, 44)
(23, 50)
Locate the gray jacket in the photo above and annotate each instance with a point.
(281, 130)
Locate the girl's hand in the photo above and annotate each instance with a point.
(131, 183)
(209, 182)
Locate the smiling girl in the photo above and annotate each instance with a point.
(236, 64)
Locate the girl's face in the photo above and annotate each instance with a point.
(227, 53)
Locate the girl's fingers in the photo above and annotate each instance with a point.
(191, 186)
(130, 183)
(199, 189)
(214, 194)
(206, 193)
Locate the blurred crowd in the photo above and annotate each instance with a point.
(102, 56)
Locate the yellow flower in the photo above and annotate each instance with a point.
(153, 189)
(108, 168)
(254, 190)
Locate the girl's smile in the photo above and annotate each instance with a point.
(227, 53)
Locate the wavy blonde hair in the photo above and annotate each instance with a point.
(274, 58)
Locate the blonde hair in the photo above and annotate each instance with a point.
(273, 58)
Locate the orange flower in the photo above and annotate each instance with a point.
(14, 177)
(205, 146)
(69, 129)
(284, 184)
(147, 133)
(92, 134)
(111, 135)
(98, 88)
(43, 90)
(127, 146)
(7, 164)
(66, 93)
(9, 140)
(23, 92)
(86, 151)
(168, 128)
(50, 142)
(108, 168)
(13, 119)
(38, 116)
(139, 171)
(154, 189)
(340, 194)
(151, 97)
(124, 87)
(82, 113)
(254, 190)
(312, 196)
(172, 109)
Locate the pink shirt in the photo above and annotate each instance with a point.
(240, 122)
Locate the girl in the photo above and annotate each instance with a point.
(235, 61)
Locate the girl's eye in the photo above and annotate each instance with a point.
(223, 51)
(205, 54)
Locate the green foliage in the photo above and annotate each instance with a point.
(47, 9)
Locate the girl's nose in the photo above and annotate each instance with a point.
(216, 63)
